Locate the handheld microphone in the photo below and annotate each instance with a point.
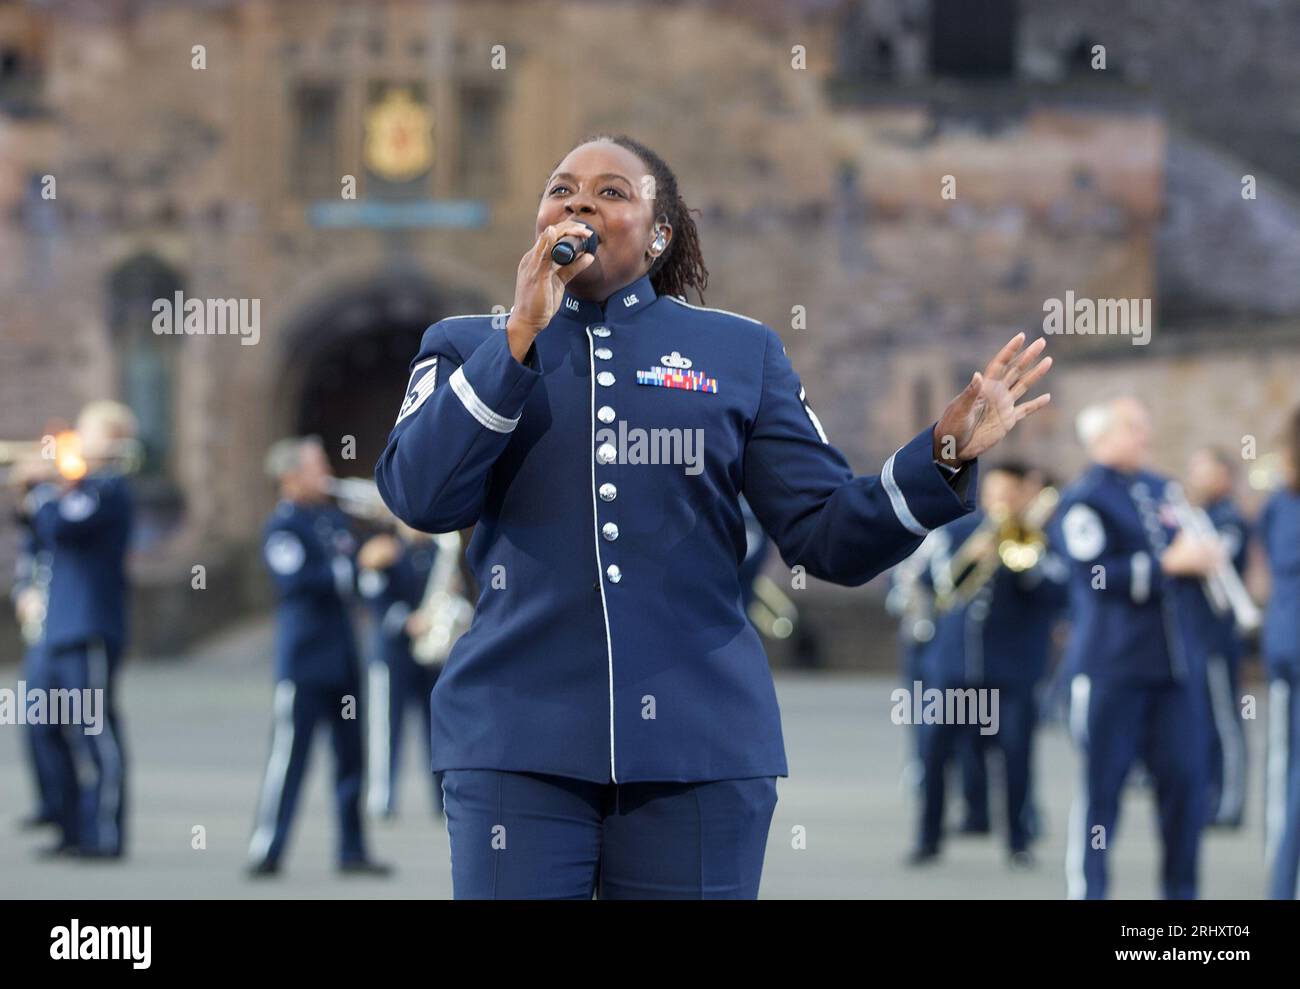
(568, 248)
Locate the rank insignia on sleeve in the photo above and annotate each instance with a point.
(664, 377)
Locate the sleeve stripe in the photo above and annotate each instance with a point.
(474, 405)
(817, 424)
(896, 499)
(1140, 578)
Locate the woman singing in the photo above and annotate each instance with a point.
(609, 723)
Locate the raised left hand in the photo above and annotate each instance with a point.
(986, 410)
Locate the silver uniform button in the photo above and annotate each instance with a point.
(605, 378)
(610, 531)
(613, 573)
(606, 453)
(608, 492)
(604, 353)
(600, 331)
(605, 414)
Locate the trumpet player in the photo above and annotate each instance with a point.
(1279, 533)
(1210, 486)
(1135, 659)
(999, 591)
(394, 571)
(308, 547)
(79, 511)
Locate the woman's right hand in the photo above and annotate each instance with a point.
(539, 286)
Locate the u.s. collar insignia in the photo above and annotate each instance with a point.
(674, 372)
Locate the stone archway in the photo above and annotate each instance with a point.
(347, 359)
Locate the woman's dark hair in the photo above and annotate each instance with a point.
(681, 266)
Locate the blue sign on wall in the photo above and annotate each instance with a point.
(411, 213)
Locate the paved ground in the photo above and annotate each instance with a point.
(199, 730)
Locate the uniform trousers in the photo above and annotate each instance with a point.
(89, 759)
(299, 710)
(1282, 797)
(42, 757)
(535, 836)
(1116, 721)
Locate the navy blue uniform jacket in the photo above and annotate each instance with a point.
(309, 550)
(87, 530)
(1130, 621)
(613, 645)
(1279, 531)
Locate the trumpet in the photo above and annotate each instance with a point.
(1223, 586)
(358, 497)
(64, 451)
(1004, 539)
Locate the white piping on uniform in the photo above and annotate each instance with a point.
(817, 423)
(1279, 717)
(1076, 885)
(379, 700)
(110, 755)
(683, 302)
(1140, 578)
(475, 405)
(600, 565)
(1230, 742)
(897, 501)
(277, 768)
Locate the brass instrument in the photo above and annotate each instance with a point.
(358, 497)
(1003, 539)
(771, 610)
(447, 612)
(64, 450)
(1223, 585)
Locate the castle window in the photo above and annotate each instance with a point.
(314, 167)
(479, 169)
(973, 39)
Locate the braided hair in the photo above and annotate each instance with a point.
(681, 266)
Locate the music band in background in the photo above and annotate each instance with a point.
(1115, 604)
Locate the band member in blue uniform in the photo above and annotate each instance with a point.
(1135, 658)
(1209, 485)
(82, 518)
(1279, 533)
(308, 547)
(911, 601)
(609, 723)
(999, 593)
(393, 575)
(30, 596)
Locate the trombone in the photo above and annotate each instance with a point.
(1016, 542)
(358, 497)
(1223, 585)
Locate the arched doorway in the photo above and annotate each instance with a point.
(349, 359)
